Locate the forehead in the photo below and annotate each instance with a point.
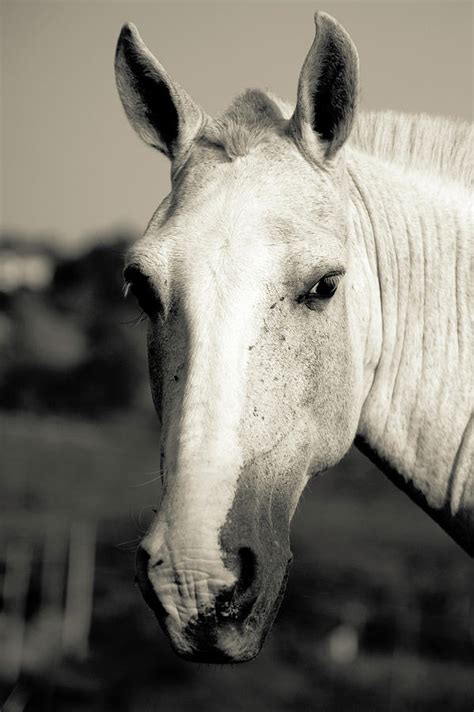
(244, 188)
(245, 205)
(270, 188)
(255, 182)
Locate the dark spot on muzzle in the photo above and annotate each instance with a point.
(235, 604)
(233, 611)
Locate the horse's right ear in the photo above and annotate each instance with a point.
(160, 111)
(327, 91)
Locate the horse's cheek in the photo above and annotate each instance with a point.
(155, 367)
(333, 412)
(323, 386)
(166, 366)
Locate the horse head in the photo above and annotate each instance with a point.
(244, 274)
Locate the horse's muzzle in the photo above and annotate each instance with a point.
(232, 627)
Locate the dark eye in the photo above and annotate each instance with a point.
(141, 287)
(322, 290)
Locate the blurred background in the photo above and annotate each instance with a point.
(379, 608)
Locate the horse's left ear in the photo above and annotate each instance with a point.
(327, 90)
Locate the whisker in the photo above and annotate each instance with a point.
(140, 514)
(136, 320)
(137, 518)
(149, 482)
(130, 541)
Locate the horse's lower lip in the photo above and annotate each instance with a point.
(216, 656)
(219, 642)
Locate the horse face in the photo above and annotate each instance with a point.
(242, 274)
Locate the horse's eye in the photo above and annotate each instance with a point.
(322, 290)
(142, 288)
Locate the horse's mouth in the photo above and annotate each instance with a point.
(204, 640)
(213, 638)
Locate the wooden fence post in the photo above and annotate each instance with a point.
(80, 589)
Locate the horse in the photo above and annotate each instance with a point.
(307, 286)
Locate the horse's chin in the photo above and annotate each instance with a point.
(227, 645)
(205, 641)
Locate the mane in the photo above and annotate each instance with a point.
(419, 142)
(415, 141)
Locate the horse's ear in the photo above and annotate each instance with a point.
(160, 111)
(327, 90)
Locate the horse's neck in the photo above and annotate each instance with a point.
(411, 239)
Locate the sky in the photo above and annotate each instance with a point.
(72, 167)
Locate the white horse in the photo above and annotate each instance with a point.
(302, 291)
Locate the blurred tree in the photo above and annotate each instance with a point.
(71, 346)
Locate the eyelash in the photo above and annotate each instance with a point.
(330, 282)
(141, 288)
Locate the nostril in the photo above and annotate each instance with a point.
(145, 585)
(248, 569)
(236, 603)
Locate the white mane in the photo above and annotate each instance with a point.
(433, 144)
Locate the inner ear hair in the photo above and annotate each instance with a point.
(160, 111)
(327, 91)
(334, 96)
